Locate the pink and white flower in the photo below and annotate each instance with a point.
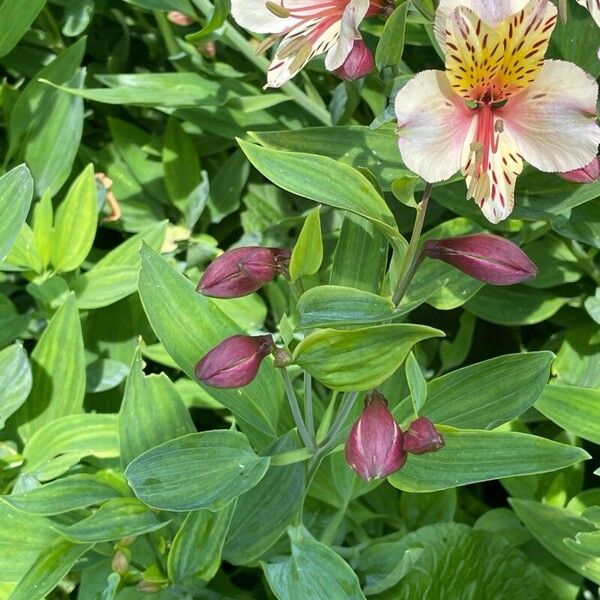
(498, 102)
(306, 28)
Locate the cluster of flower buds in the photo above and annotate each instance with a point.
(242, 271)
(486, 257)
(588, 174)
(235, 361)
(377, 447)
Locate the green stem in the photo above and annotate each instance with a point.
(586, 262)
(308, 405)
(345, 410)
(240, 43)
(52, 25)
(295, 408)
(167, 33)
(413, 259)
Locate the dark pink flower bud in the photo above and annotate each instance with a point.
(374, 446)
(483, 256)
(422, 437)
(234, 362)
(242, 271)
(178, 18)
(588, 174)
(357, 64)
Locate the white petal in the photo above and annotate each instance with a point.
(594, 7)
(553, 121)
(283, 69)
(353, 15)
(492, 12)
(433, 123)
(253, 15)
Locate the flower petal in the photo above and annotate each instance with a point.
(493, 64)
(353, 15)
(493, 189)
(594, 7)
(298, 47)
(433, 123)
(553, 121)
(491, 12)
(254, 15)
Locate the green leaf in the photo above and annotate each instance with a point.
(359, 237)
(43, 222)
(333, 305)
(227, 185)
(323, 180)
(359, 359)
(473, 456)
(115, 276)
(573, 408)
(164, 5)
(58, 368)
(15, 380)
(63, 495)
(514, 305)
(307, 255)
(75, 223)
(275, 500)
(17, 18)
(199, 470)
(486, 394)
(404, 189)
(373, 149)
(391, 45)
(151, 413)
(177, 313)
(217, 19)
(62, 443)
(104, 374)
(16, 191)
(416, 383)
(197, 547)
(312, 571)
(14, 564)
(51, 566)
(115, 519)
(418, 510)
(551, 525)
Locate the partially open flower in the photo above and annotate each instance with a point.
(486, 257)
(242, 271)
(422, 437)
(357, 64)
(588, 174)
(234, 362)
(374, 446)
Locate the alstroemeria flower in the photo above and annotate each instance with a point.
(307, 28)
(497, 103)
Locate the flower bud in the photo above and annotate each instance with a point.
(120, 563)
(422, 437)
(234, 362)
(588, 174)
(357, 64)
(178, 18)
(483, 256)
(374, 446)
(242, 271)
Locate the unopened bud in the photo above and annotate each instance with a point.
(234, 362)
(374, 446)
(242, 271)
(486, 257)
(422, 437)
(178, 18)
(120, 563)
(281, 357)
(588, 174)
(149, 587)
(358, 63)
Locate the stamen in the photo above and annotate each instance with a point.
(266, 44)
(292, 47)
(277, 9)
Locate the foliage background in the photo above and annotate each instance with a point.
(201, 160)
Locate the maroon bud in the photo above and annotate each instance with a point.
(234, 362)
(422, 437)
(178, 18)
(588, 174)
(483, 256)
(357, 64)
(374, 446)
(242, 271)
